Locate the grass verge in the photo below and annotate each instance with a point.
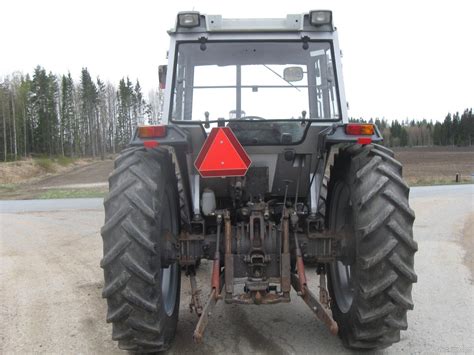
(437, 181)
(6, 188)
(45, 164)
(49, 165)
(71, 193)
(65, 161)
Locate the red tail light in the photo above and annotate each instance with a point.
(150, 144)
(364, 140)
(151, 131)
(357, 129)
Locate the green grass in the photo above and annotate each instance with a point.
(65, 161)
(439, 181)
(46, 164)
(9, 191)
(71, 193)
(7, 188)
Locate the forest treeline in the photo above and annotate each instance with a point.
(456, 130)
(48, 114)
(51, 115)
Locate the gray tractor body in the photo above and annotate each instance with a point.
(262, 103)
(280, 160)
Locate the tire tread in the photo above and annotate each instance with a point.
(131, 208)
(385, 247)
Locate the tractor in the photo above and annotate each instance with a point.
(256, 168)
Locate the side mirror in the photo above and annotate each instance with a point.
(162, 69)
(293, 74)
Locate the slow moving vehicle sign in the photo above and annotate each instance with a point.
(222, 155)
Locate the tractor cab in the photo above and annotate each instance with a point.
(284, 72)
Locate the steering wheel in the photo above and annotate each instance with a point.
(251, 118)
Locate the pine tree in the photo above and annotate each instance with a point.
(138, 104)
(67, 115)
(24, 111)
(89, 110)
(53, 116)
(102, 115)
(125, 123)
(3, 112)
(111, 98)
(40, 117)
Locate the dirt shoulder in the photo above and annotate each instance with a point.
(93, 173)
(436, 165)
(88, 178)
(29, 180)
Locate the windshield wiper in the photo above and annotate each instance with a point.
(274, 72)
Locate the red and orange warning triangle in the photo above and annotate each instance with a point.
(222, 155)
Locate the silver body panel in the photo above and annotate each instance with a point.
(291, 28)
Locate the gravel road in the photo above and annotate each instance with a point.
(50, 287)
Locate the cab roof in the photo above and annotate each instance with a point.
(194, 22)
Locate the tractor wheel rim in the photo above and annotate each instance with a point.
(341, 272)
(170, 274)
(343, 291)
(169, 286)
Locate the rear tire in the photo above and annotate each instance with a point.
(370, 285)
(140, 231)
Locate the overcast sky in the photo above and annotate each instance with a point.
(401, 59)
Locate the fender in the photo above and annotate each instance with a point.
(172, 136)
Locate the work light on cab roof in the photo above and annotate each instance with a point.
(322, 19)
(189, 19)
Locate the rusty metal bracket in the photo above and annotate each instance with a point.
(228, 257)
(204, 318)
(207, 311)
(319, 309)
(299, 258)
(323, 292)
(285, 255)
(195, 304)
(216, 287)
(260, 298)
